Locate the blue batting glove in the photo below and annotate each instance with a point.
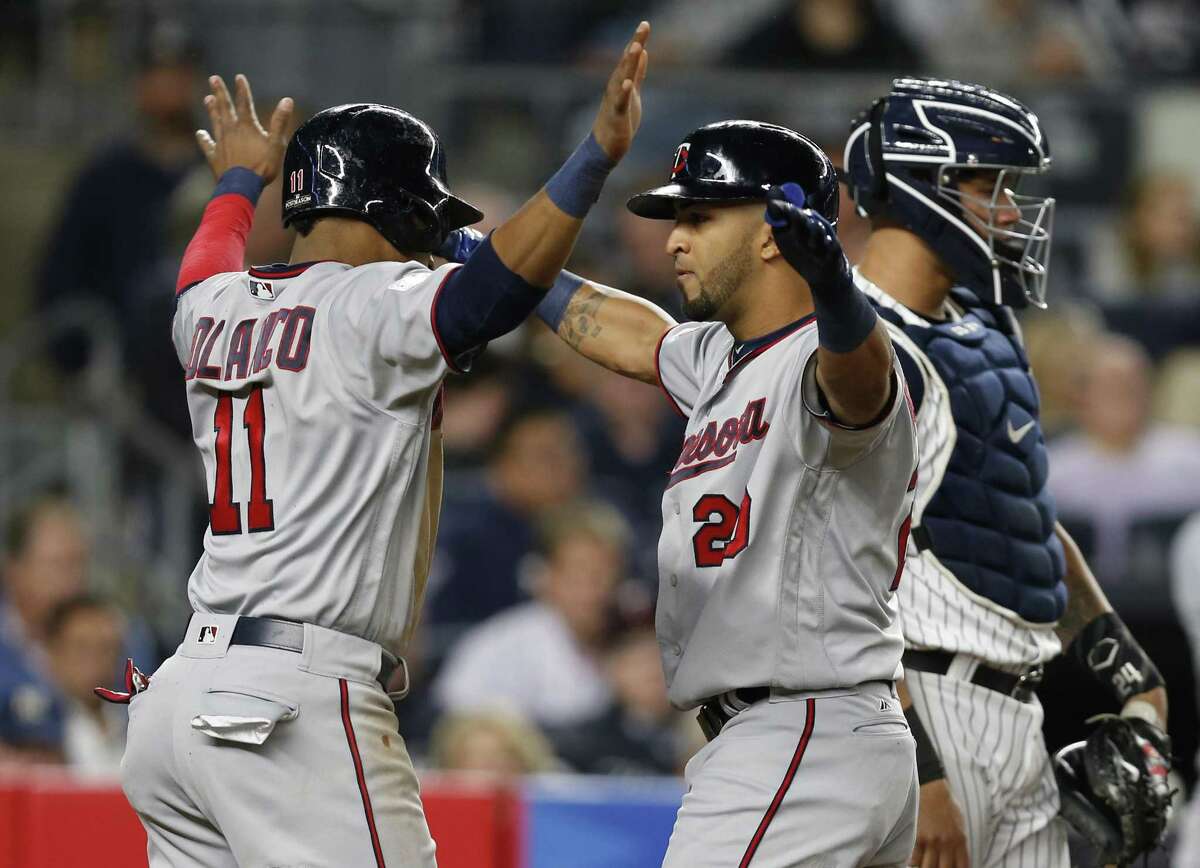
(460, 244)
(807, 240)
(789, 192)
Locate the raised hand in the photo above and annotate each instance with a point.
(237, 138)
(621, 109)
(806, 239)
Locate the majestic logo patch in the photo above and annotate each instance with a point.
(208, 634)
(262, 289)
(681, 158)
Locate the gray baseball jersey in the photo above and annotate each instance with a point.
(783, 534)
(312, 391)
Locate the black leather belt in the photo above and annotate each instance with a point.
(289, 636)
(715, 713)
(1019, 686)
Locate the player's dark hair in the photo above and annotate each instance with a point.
(590, 518)
(304, 225)
(66, 609)
(522, 413)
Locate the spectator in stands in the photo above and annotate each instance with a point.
(46, 562)
(1122, 467)
(632, 437)
(1005, 40)
(641, 268)
(537, 466)
(544, 659)
(493, 742)
(639, 733)
(110, 244)
(1156, 248)
(1058, 342)
(31, 713)
(83, 637)
(826, 35)
(473, 411)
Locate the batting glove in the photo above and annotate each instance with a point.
(460, 244)
(135, 682)
(807, 240)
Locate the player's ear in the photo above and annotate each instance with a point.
(767, 248)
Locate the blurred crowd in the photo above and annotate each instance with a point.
(537, 649)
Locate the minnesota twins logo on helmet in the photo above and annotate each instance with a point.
(681, 156)
(904, 160)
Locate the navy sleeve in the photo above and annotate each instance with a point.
(480, 302)
(912, 376)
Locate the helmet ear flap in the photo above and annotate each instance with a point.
(879, 185)
(410, 223)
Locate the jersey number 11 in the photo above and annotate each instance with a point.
(225, 516)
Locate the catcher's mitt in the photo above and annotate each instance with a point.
(1113, 786)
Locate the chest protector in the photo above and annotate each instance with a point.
(991, 521)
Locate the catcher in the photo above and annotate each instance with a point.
(994, 586)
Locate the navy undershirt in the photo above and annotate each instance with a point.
(744, 348)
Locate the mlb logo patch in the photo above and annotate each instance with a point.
(262, 289)
(208, 634)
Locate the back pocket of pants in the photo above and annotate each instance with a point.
(891, 726)
(244, 715)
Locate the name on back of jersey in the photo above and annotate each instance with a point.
(280, 338)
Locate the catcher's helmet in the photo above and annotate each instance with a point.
(905, 155)
(376, 163)
(738, 161)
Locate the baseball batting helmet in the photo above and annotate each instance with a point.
(378, 164)
(738, 161)
(903, 160)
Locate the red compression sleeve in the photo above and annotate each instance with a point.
(219, 245)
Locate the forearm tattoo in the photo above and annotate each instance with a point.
(580, 319)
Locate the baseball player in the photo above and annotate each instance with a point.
(785, 517)
(994, 587)
(268, 738)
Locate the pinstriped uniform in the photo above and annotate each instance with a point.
(991, 745)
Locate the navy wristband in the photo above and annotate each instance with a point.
(553, 307)
(241, 181)
(845, 318)
(576, 186)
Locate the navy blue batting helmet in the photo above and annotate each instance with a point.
(374, 163)
(738, 161)
(906, 155)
